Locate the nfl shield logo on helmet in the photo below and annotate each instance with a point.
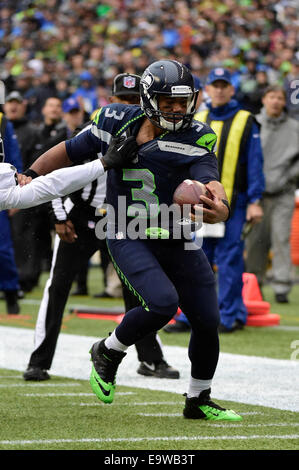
(129, 82)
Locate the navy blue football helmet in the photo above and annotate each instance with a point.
(167, 78)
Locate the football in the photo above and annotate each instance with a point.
(189, 192)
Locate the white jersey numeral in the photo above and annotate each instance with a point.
(113, 114)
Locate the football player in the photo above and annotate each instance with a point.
(160, 271)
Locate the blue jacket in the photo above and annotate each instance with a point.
(90, 98)
(11, 147)
(8, 272)
(253, 155)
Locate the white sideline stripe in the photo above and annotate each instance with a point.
(161, 438)
(79, 394)
(40, 385)
(57, 394)
(239, 378)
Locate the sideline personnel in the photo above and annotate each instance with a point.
(240, 163)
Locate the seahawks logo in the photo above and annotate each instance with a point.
(147, 81)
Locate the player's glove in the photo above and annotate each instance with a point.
(121, 152)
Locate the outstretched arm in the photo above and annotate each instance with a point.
(121, 151)
(64, 181)
(55, 158)
(59, 183)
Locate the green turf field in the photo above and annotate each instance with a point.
(63, 413)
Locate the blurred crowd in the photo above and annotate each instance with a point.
(73, 47)
(58, 60)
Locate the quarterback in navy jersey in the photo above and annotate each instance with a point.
(162, 164)
(160, 272)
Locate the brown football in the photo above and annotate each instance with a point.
(189, 192)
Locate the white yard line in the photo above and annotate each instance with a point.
(79, 394)
(54, 395)
(40, 385)
(149, 439)
(245, 379)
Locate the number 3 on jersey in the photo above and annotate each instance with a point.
(144, 193)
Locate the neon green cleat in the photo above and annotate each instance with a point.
(105, 364)
(202, 407)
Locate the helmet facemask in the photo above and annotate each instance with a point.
(172, 122)
(170, 79)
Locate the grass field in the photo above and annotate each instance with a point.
(63, 413)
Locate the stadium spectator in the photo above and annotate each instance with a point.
(87, 92)
(291, 87)
(9, 279)
(15, 110)
(280, 143)
(110, 39)
(72, 115)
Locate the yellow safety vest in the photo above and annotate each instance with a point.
(232, 135)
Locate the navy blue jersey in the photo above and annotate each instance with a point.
(162, 164)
